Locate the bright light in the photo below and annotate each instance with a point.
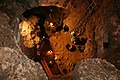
(51, 24)
(50, 52)
(55, 57)
(72, 32)
(43, 37)
(50, 62)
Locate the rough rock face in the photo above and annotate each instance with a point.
(104, 31)
(102, 27)
(6, 33)
(27, 29)
(95, 69)
(101, 23)
(14, 65)
(114, 51)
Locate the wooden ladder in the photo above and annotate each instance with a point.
(83, 19)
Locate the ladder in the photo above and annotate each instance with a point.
(85, 16)
(83, 20)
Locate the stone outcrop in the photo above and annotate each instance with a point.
(95, 69)
(6, 33)
(14, 65)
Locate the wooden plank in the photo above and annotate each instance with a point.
(47, 69)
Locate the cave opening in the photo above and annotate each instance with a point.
(36, 27)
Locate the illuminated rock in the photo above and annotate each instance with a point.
(28, 30)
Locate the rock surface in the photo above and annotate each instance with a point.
(14, 65)
(95, 69)
(113, 55)
(6, 33)
(13, 62)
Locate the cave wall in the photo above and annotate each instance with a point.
(98, 27)
(103, 26)
(101, 33)
(13, 63)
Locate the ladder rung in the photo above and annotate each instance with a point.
(86, 14)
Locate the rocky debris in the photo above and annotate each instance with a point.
(95, 69)
(14, 65)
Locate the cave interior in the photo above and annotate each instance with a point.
(49, 35)
(43, 23)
